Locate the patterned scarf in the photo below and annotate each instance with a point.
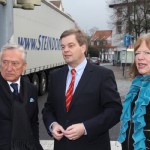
(22, 136)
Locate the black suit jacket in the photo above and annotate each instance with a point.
(27, 91)
(95, 102)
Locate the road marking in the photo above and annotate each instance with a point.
(49, 145)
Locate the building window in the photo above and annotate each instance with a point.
(92, 43)
(118, 27)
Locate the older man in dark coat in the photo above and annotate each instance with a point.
(19, 127)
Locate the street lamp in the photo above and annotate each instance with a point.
(27, 4)
(3, 2)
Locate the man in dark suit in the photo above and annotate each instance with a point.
(19, 127)
(83, 102)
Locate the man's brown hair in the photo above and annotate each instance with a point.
(80, 36)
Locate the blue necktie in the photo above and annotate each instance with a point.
(15, 87)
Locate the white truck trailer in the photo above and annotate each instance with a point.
(38, 31)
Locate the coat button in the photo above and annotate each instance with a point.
(67, 121)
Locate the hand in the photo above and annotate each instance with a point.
(57, 131)
(75, 131)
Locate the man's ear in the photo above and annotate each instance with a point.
(83, 48)
(25, 65)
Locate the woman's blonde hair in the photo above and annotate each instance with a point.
(145, 37)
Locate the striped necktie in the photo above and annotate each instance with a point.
(69, 92)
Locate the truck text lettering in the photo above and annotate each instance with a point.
(42, 43)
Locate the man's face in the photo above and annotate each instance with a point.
(72, 52)
(12, 65)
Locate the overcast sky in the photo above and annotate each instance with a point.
(88, 13)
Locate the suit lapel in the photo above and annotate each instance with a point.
(6, 90)
(63, 86)
(23, 91)
(82, 83)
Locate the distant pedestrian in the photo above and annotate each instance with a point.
(113, 62)
(83, 102)
(135, 118)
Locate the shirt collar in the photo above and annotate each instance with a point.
(80, 67)
(18, 82)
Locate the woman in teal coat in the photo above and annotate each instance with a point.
(135, 118)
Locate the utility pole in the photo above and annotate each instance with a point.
(6, 22)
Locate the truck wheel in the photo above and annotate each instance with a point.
(42, 83)
(35, 81)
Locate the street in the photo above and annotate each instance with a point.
(123, 86)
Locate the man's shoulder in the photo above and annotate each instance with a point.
(27, 82)
(100, 69)
(59, 70)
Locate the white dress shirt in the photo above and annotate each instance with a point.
(18, 82)
(79, 71)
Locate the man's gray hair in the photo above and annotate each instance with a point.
(14, 47)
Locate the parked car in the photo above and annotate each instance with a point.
(95, 60)
(106, 61)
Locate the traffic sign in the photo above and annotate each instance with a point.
(127, 40)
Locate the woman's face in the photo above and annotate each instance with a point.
(142, 59)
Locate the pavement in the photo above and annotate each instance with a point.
(123, 84)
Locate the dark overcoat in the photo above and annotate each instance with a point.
(28, 94)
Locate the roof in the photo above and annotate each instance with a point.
(103, 35)
(56, 3)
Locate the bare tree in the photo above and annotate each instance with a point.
(131, 16)
(93, 30)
